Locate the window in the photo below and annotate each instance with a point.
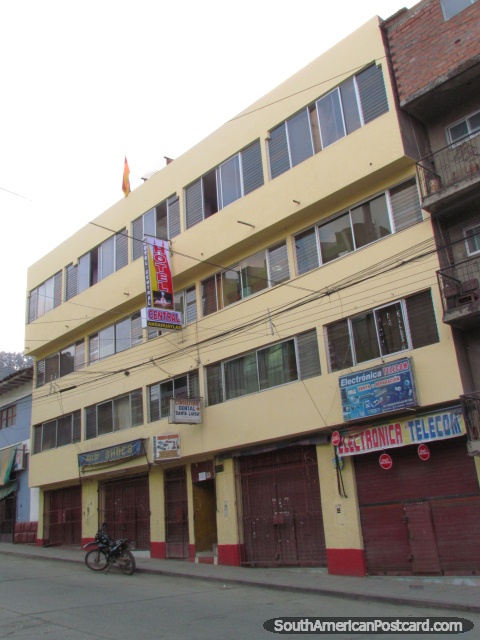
(45, 297)
(159, 394)
(394, 210)
(398, 326)
(57, 433)
(231, 180)
(472, 239)
(469, 126)
(60, 364)
(256, 273)
(277, 364)
(115, 338)
(340, 112)
(8, 416)
(163, 221)
(97, 264)
(119, 413)
(452, 7)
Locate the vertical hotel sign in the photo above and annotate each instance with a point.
(160, 312)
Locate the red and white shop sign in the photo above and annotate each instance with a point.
(336, 438)
(385, 461)
(423, 452)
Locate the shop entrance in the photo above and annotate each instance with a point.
(176, 513)
(125, 507)
(63, 516)
(204, 508)
(420, 517)
(282, 512)
(7, 518)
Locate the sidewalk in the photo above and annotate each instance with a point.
(453, 593)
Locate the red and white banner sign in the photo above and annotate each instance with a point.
(160, 312)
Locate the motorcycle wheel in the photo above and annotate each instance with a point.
(96, 560)
(126, 562)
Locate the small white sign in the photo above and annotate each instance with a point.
(166, 447)
(185, 411)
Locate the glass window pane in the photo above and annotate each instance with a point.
(331, 119)
(230, 183)
(371, 221)
(335, 238)
(473, 240)
(123, 335)
(104, 418)
(64, 430)
(278, 270)
(162, 224)
(121, 413)
(241, 376)
(231, 286)
(452, 7)
(350, 106)
(306, 251)
(106, 340)
(254, 274)
(391, 329)
(300, 137)
(214, 384)
(149, 223)
(49, 436)
(166, 392)
(41, 300)
(209, 296)
(154, 402)
(277, 365)
(339, 346)
(107, 257)
(474, 122)
(83, 272)
(180, 387)
(67, 360)
(365, 337)
(458, 131)
(49, 294)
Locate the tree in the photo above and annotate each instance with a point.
(11, 362)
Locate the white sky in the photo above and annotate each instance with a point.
(85, 83)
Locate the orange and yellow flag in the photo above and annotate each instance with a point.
(126, 178)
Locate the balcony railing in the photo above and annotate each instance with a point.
(449, 167)
(460, 286)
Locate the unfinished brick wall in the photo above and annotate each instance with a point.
(426, 49)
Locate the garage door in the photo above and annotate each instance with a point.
(420, 517)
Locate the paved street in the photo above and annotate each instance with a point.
(58, 600)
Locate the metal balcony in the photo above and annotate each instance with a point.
(460, 291)
(471, 412)
(450, 176)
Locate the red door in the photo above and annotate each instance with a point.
(63, 516)
(176, 513)
(126, 510)
(282, 514)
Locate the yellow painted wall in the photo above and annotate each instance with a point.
(341, 515)
(157, 505)
(90, 506)
(227, 517)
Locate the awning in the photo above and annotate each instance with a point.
(7, 458)
(8, 489)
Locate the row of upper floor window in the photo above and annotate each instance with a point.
(354, 103)
(381, 215)
(390, 329)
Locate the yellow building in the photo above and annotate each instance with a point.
(305, 272)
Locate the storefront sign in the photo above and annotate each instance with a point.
(419, 430)
(159, 286)
(166, 447)
(115, 454)
(371, 392)
(385, 461)
(423, 452)
(185, 411)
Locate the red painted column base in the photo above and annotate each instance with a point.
(158, 550)
(346, 562)
(230, 554)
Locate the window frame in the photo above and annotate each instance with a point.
(449, 11)
(220, 391)
(37, 305)
(172, 224)
(476, 238)
(43, 366)
(89, 267)
(315, 253)
(346, 325)
(471, 133)
(8, 416)
(218, 279)
(162, 411)
(57, 423)
(112, 347)
(93, 410)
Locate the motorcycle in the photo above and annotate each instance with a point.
(106, 552)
